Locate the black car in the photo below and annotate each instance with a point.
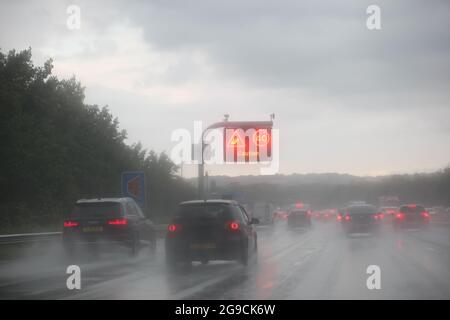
(108, 220)
(411, 216)
(361, 219)
(210, 230)
(299, 218)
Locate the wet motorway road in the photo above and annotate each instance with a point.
(320, 263)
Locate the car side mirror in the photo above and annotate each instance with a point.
(254, 221)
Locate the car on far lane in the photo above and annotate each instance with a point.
(326, 215)
(340, 214)
(389, 211)
(437, 210)
(264, 212)
(299, 218)
(361, 219)
(107, 221)
(210, 230)
(280, 215)
(388, 214)
(411, 216)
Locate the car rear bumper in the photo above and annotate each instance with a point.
(192, 251)
(81, 239)
(362, 228)
(299, 224)
(411, 224)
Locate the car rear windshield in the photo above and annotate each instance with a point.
(412, 209)
(362, 210)
(97, 209)
(208, 211)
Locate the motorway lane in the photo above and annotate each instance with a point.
(320, 263)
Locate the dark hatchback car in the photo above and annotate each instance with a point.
(361, 219)
(411, 216)
(106, 221)
(210, 230)
(299, 218)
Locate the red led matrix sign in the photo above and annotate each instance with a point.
(247, 146)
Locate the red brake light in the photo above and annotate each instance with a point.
(378, 216)
(118, 222)
(347, 218)
(400, 215)
(339, 217)
(174, 227)
(233, 225)
(70, 224)
(425, 214)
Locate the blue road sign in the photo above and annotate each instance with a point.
(133, 186)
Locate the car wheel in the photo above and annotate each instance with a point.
(153, 247)
(255, 253)
(135, 242)
(244, 256)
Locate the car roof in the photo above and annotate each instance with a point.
(211, 201)
(412, 205)
(99, 200)
(361, 206)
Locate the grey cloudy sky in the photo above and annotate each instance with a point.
(346, 99)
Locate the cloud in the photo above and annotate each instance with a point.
(365, 97)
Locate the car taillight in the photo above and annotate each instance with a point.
(347, 218)
(378, 216)
(425, 214)
(70, 224)
(173, 227)
(400, 215)
(339, 217)
(118, 222)
(233, 225)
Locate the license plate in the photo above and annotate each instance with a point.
(92, 229)
(203, 246)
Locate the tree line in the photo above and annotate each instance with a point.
(429, 189)
(57, 149)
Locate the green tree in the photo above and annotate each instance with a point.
(56, 149)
